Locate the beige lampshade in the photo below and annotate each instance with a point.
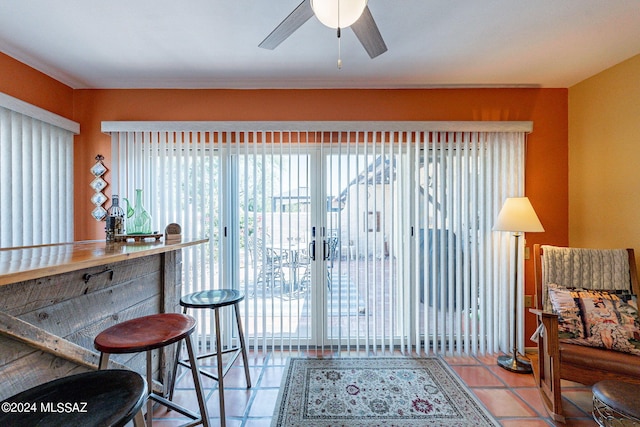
(338, 13)
(517, 215)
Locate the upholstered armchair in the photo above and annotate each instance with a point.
(588, 325)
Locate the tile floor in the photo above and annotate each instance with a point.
(511, 398)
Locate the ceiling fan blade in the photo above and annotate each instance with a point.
(367, 32)
(299, 16)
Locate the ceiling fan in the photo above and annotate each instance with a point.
(364, 26)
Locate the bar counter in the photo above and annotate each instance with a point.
(54, 300)
(34, 262)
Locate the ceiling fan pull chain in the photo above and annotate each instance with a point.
(339, 53)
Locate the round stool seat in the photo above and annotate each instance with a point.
(145, 333)
(620, 397)
(215, 299)
(97, 398)
(212, 299)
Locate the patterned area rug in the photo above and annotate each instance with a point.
(397, 391)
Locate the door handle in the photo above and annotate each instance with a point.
(312, 250)
(326, 250)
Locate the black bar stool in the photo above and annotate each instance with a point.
(216, 299)
(146, 334)
(97, 398)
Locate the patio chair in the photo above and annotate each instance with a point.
(305, 280)
(270, 263)
(333, 241)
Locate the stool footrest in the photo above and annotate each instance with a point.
(236, 350)
(174, 406)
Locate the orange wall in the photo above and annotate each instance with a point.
(32, 86)
(547, 148)
(547, 151)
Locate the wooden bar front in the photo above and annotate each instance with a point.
(55, 299)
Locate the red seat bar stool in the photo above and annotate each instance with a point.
(148, 333)
(214, 300)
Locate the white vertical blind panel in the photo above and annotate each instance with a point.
(6, 190)
(389, 247)
(249, 261)
(17, 179)
(57, 188)
(36, 166)
(52, 198)
(27, 180)
(67, 185)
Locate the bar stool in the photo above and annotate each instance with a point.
(216, 299)
(149, 333)
(97, 398)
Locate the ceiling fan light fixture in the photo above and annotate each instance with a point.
(338, 13)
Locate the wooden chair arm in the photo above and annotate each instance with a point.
(547, 372)
(550, 322)
(544, 314)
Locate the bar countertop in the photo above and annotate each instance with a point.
(34, 262)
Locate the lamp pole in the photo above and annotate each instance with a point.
(513, 362)
(517, 216)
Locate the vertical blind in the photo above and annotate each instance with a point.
(36, 175)
(399, 216)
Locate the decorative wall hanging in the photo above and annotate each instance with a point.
(98, 184)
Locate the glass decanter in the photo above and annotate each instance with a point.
(138, 219)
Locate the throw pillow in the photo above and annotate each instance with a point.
(563, 302)
(610, 321)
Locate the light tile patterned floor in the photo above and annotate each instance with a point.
(511, 398)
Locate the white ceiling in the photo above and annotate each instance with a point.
(214, 43)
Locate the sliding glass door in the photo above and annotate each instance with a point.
(363, 224)
(317, 254)
(271, 200)
(341, 235)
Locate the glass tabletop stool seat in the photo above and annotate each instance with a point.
(215, 300)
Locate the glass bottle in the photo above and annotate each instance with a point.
(139, 220)
(115, 219)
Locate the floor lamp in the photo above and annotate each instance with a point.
(517, 216)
